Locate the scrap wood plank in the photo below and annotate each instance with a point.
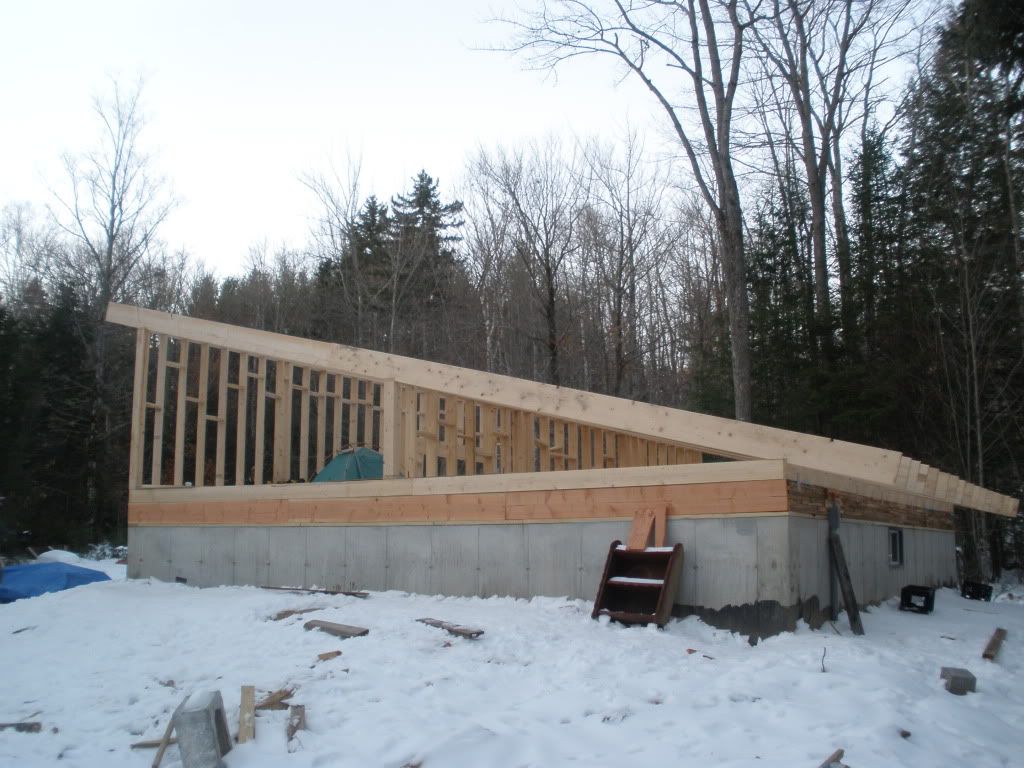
(994, 644)
(343, 631)
(152, 743)
(166, 739)
(647, 523)
(23, 727)
(289, 612)
(845, 584)
(453, 629)
(247, 715)
(349, 593)
(833, 760)
(276, 699)
(296, 720)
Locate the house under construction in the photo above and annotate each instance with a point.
(494, 485)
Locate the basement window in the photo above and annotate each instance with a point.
(895, 546)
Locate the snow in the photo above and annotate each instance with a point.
(59, 556)
(104, 665)
(635, 580)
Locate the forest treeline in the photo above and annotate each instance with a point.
(823, 254)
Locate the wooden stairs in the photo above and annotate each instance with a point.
(639, 581)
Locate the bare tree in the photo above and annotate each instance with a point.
(541, 190)
(688, 54)
(111, 209)
(819, 59)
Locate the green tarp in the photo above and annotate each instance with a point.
(358, 464)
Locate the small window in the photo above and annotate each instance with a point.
(896, 546)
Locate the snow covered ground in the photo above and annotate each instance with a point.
(103, 666)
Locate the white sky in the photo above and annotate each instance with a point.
(241, 98)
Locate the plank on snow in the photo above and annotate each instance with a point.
(343, 631)
(453, 629)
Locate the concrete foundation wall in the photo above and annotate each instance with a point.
(929, 559)
(753, 574)
(726, 561)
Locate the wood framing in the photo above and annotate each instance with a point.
(431, 420)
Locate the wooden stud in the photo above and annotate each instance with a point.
(159, 399)
(429, 433)
(179, 415)
(304, 425)
(242, 425)
(407, 465)
(201, 401)
(321, 420)
(390, 429)
(261, 426)
(222, 416)
(353, 413)
(282, 423)
(139, 395)
(247, 715)
(336, 396)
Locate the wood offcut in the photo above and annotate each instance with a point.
(344, 631)
(296, 720)
(25, 727)
(994, 644)
(453, 629)
(247, 715)
(276, 699)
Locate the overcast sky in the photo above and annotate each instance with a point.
(242, 98)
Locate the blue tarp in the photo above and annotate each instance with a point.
(38, 578)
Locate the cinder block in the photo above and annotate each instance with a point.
(959, 681)
(202, 730)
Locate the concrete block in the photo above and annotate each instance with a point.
(959, 681)
(202, 730)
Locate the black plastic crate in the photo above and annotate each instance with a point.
(975, 590)
(917, 599)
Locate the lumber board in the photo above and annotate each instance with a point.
(152, 743)
(453, 629)
(247, 714)
(296, 720)
(138, 428)
(995, 643)
(321, 422)
(165, 740)
(199, 473)
(845, 584)
(276, 699)
(222, 419)
(344, 631)
(160, 412)
(22, 727)
(742, 498)
(179, 413)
